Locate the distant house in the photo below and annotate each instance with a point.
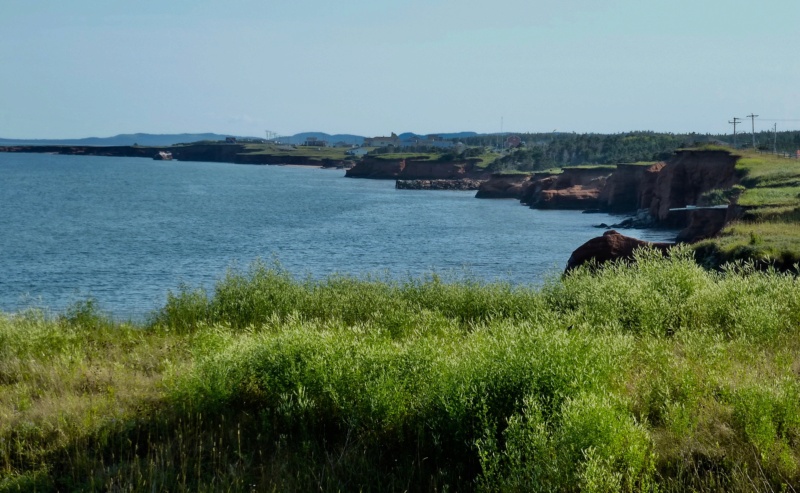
(431, 140)
(315, 142)
(393, 140)
(230, 140)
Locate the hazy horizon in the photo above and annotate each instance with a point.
(94, 69)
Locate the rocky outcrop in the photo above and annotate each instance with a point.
(504, 186)
(462, 184)
(406, 169)
(573, 188)
(609, 247)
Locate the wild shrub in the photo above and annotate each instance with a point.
(649, 295)
(768, 416)
(592, 442)
(184, 310)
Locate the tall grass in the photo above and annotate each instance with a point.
(651, 375)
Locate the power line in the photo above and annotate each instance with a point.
(752, 118)
(735, 122)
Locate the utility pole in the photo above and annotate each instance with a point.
(752, 118)
(735, 122)
(775, 139)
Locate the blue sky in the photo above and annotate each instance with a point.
(98, 68)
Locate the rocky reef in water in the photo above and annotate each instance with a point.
(459, 184)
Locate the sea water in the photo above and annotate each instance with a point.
(125, 231)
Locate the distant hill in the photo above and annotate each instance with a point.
(456, 135)
(358, 139)
(121, 140)
(144, 139)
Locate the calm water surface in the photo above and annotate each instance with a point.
(125, 230)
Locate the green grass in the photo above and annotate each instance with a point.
(335, 153)
(770, 197)
(416, 156)
(767, 170)
(769, 231)
(771, 181)
(485, 159)
(609, 167)
(773, 241)
(515, 172)
(653, 376)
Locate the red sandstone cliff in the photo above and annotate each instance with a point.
(676, 183)
(573, 188)
(504, 186)
(627, 187)
(686, 176)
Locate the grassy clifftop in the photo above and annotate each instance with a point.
(769, 230)
(658, 375)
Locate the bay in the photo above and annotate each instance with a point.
(125, 231)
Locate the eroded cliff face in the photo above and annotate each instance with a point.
(504, 186)
(625, 188)
(685, 177)
(706, 223)
(574, 188)
(393, 169)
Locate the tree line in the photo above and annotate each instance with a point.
(547, 150)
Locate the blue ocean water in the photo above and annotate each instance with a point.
(125, 231)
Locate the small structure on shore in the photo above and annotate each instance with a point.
(163, 156)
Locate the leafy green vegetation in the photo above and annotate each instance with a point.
(657, 375)
(485, 158)
(722, 197)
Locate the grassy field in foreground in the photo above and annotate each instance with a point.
(653, 376)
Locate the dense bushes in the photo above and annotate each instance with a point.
(650, 375)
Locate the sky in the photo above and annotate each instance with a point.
(97, 68)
